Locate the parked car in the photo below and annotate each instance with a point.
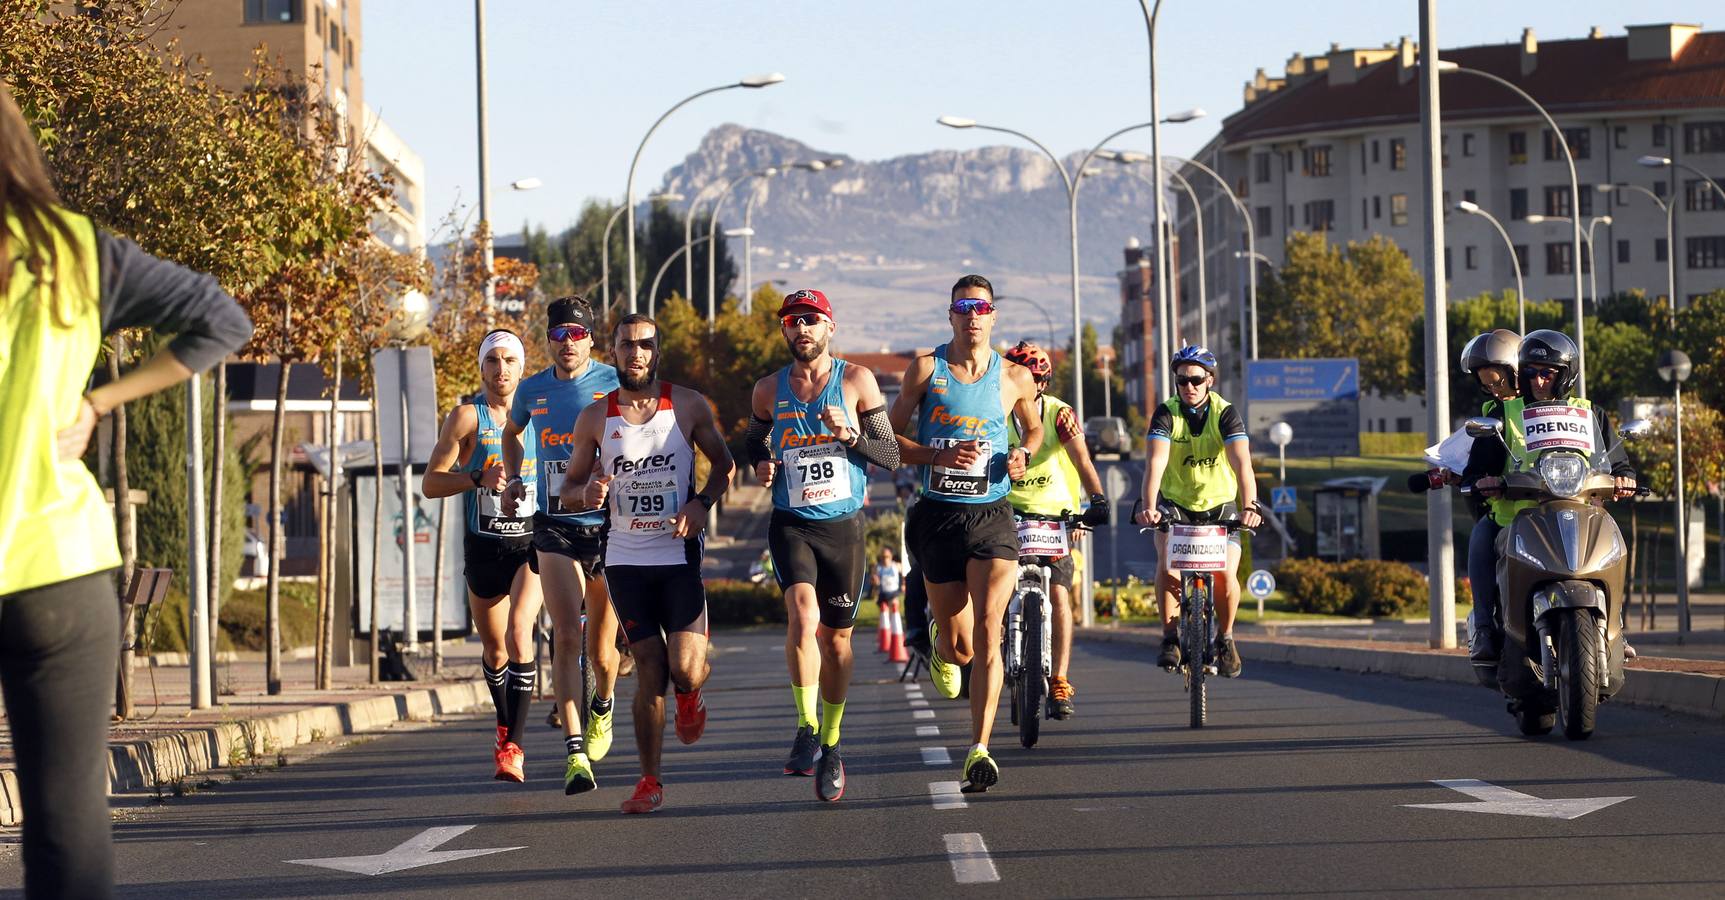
(1107, 434)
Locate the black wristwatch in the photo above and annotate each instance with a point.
(475, 475)
(705, 500)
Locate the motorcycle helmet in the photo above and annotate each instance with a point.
(1546, 347)
(1491, 348)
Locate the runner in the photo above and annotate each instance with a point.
(566, 544)
(961, 532)
(502, 579)
(886, 583)
(1050, 487)
(821, 422)
(644, 435)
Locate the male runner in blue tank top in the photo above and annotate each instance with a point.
(502, 587)
(566, 542)
(817, 424)
(962, 532)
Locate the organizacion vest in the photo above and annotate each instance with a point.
(1050, 484)
(1198, 476)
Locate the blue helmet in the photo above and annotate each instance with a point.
(1194, 355)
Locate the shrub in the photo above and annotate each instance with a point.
(1384, 589)
(242, 618)
(1313, 586)
(734, 602)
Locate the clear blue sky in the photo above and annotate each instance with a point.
(573, 86)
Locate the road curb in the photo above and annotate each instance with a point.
(165, 760)
(1689, 693)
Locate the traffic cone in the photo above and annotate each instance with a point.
(898, 652)
(884, 632)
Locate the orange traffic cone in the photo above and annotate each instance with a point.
(884, 633)
(898, 652)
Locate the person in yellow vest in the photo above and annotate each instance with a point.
(63, 286)
(1201, 462)
(1051, 486)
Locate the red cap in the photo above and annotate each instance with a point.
(814, 300)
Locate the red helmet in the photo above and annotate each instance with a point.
(1033, 358)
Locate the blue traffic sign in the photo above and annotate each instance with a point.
(1261, 584)
(1303, 379)
(1282, 500)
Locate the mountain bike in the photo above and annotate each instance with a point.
(1027, 642)
(1197, 552)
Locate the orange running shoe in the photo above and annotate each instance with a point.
(649, 794)
(509, 763)
(691, 717)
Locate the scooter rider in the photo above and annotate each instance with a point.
(1490, 358)
(1545, 370)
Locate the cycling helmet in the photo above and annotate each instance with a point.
(1547, 348)
(1194, 355)
(1033, 358)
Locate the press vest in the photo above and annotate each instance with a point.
(1198, 476)
(54, 524)
(546, 407)
(820, 479)
(1503, 511)
(1050, 484)
(485, 507)
(653, 469)
(953, 411)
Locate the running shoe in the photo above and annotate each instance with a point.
(648, 796)
(945, 675)
(1060, 698)
(802, 761)
(578, 776)
(691, 717)
(598, 735)
(510, 760)
(1227, 658)
(1170, 658)
(830, 775)
(502, 736)
(980, 773)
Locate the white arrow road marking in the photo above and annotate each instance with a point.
(411, 854)
(970, 861)
(1505, 802)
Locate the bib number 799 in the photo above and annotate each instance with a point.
(650, 504)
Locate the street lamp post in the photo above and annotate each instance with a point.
(1163, 346)
(1472, 208)
(605, 248)
(1674, 367)
(1048, 319)
(753, 81)
(1659, 162)
(1670, 210)
(1198, 216)
(1587, 240)
(485, 251)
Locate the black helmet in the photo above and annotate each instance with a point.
(1547, 348)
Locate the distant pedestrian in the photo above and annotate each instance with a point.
(64, 285)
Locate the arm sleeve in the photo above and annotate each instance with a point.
(755, 440)
(139, 290)
(875, 441)
(1066, 426)
(1233, 427)
(1161, 424)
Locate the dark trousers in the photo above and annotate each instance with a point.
(1482, 574)
(59, 648)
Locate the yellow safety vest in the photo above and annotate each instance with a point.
(1503, 511)
(1050, 483)
(1198, 476)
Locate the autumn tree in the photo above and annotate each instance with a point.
(1355, 301)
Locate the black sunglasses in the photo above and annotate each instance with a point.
(1190, 380)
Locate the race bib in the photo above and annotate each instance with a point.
(1557, 427)
(968, 482)
(553, 475)
(817, 475)
(647, 505)
(1197, 548)
(492, 521)
(1040, 538)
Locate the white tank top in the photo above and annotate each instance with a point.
(652, 469)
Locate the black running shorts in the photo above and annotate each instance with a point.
(583, 543)
(827, 553)
(491, 563)
(945, 536)
(652, 601)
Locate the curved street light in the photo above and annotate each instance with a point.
(605, 248)
(1587, 239)
(1198, 215)
(1660, 162)
(653, 292)
(1472, 208)
(1670, 210)
(813, 165)
(1039, 308)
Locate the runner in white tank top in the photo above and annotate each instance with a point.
(633, 456)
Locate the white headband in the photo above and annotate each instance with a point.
(502, 339)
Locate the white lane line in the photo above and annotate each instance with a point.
(922, 713)
(945, 795)
(936, 756)
(970, 861)
(918, 703)
(928, 731)
(913, 688)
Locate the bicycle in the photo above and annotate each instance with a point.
(1196, 551)
(1027, 642)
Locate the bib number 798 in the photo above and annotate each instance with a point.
(818, 470)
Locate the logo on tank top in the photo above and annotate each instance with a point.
(972, 424)
(937, 385)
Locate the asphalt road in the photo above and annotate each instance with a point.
(1299, 786)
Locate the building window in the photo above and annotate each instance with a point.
(1398, 209)
(1315, 161)
(1290, 218)
(1261, 168)
(350, 53)
(1467, 144)
(1520, 255)
(1378, 207)
(319, 17)
(335, 37)
(1405, 424)
(1706, 252)
(1517, 147)
(1398, 154)
(1518, 203)
(1443, 147)
(1699, 196)
(1704, 137)
(1557, 200)
(1558, 260)
(1620, 137)
(1289, 159)
(1266, 220)
(1470, 196)
(272, 12)
(1321, 214)
(1580, 142)
(1365, 214)
(1622, 251)
(1659, 133)
(1587, 203)
(1448, 270)
(1661, 250)
(1375, 157)
(1470, 257)
(1661, 188)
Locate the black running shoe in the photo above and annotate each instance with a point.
(802, 761)
(830, 774)
(1227, 658)
(1170, 658)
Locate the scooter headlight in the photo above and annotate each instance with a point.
(1563, 473)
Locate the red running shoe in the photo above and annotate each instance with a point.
(502, 737)
(649, 794)
(509, 763)
(691, 717)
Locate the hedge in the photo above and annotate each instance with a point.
(1358, 587)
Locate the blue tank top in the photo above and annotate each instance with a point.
(820, 479)
(551, 405)
(953, 411)
(485, 508)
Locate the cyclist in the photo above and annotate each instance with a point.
(502, 584)
(1051, 486)
(565, 543)
(643, 437)
(1490, 360)
(1200, 462)
(961, 531)
(817, 424)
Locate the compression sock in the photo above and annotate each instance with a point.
(599, 705)
(574, 744)
(494, 679)
(831, 715)
(805, 695)
(523, 677)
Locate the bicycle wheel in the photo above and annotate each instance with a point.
(1033, 696)
(1194, 609)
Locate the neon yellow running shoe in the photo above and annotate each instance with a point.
(980, 773)
(578, 777)
(598, 735)
(946, 676)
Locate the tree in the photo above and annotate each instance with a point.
(1327, 301)
(659, 238)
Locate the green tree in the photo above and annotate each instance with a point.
(659, 238)
(1701, 334)
(1329, 301)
